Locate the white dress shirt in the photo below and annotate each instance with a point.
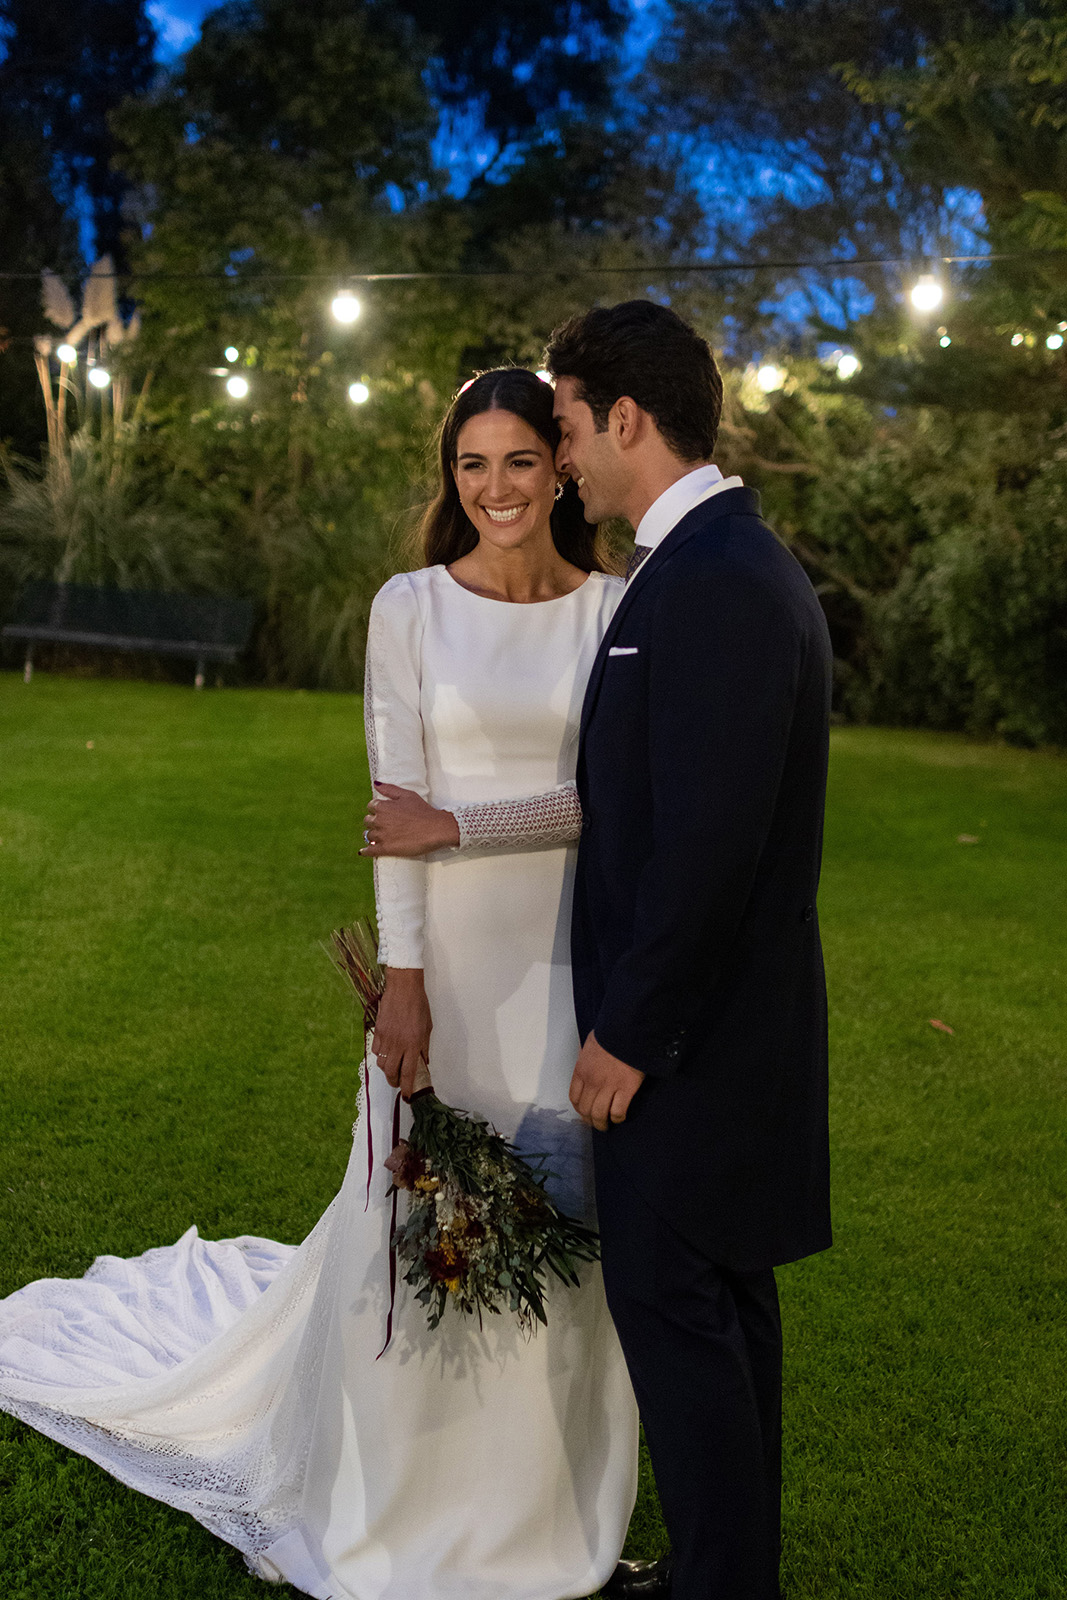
(677, 501)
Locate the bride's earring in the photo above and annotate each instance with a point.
(559, 491)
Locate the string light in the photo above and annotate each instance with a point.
(927, 294)
(345, 307)
(770, 378)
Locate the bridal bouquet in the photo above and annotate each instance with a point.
(481, 1230)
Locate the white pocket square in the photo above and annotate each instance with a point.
(622, 650)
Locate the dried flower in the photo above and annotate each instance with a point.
(405, 1164)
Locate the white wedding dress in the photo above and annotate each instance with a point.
(241, 1380)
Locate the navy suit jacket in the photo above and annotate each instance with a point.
(695, 940)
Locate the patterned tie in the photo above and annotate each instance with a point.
(640, 552)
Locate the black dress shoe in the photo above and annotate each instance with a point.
(640, 1580)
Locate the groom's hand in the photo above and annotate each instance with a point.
(603, 1086)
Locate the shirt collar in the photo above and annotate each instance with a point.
(677, 501)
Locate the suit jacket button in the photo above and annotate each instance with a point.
(807, 914)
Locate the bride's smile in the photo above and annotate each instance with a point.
(509, 514)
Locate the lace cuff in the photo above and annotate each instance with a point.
(551, 818)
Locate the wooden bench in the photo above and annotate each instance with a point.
(201, 627)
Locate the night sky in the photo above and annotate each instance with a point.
(177, 23)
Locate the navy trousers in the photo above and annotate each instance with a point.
(703, 1346)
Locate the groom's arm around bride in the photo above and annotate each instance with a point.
(697, 964)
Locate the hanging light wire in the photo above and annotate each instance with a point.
(652, 270)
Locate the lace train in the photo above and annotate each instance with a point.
(178, 1373)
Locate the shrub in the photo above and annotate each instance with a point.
(93, 518)
(974, 635)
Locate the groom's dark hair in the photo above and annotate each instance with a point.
(647, 352)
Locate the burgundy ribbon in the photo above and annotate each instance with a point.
(366, 1113)
(392, 1241)
(395, 1191)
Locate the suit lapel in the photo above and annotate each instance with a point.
(728, 503)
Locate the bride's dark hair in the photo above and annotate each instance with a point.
(446, 532)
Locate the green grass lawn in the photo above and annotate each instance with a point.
(175, 1049)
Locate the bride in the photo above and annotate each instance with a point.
(241, 1380)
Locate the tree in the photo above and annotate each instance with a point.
(751, 96)
(984, 110)
(987, 109)
(289, 140)
(38, 233)
(67, 64)
(290, 146)
(924, 495)
(521, 64)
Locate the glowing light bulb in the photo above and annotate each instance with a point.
(944, 341)
(345, 307)
(927, 294)
(1018, 338)
(237, 387)
(1055, 341)
(770, 378)
(67, 353)
(99, 377)
(358, 393)
(232, 353)
(546, 377)
(848, 365)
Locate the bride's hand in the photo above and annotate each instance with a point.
(402, 1033)
(400, 823)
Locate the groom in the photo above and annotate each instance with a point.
(697, 966)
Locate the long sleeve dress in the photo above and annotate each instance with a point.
(240, 1380)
